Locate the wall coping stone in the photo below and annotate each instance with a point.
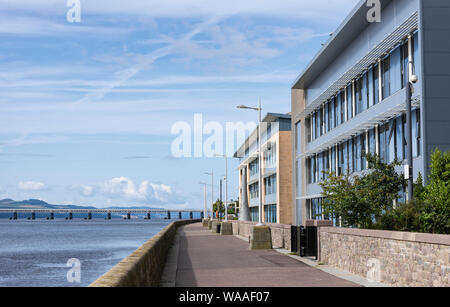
(392, 235)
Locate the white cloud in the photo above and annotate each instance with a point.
(145, 192)
(84, 190)
(32, 186)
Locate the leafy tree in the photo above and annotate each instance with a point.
(436, 195)
(362, 200)
(218, 205)
(341, 200)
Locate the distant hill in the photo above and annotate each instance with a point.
(39, 204)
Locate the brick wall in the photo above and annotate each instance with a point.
(395, 258)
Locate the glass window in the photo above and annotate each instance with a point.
(391, 141)
(321, 121)
(357, 150)
(254, 191)
(351, 160)
(404, 66)
(399, 138)
(326, 164)
(320, 166)
(270, 213)
(386, 77)
(270, 185)
(346, 157)
(336, 113)
(333, 159)
(316, 115)
(370, 88)
(376, 85)
(270, 156)
(416, 137)
(365, 91)
(396, 70)
(372, 144)
(254, 214)
(363, 151)
(349, 101)
(383, 132)
(358, 96)
(327, 117)
(314, 168)
(308, 129)
(332, 115)
(416, 55)
(254, 167)
(309, 169)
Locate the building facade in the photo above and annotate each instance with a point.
(276, 170)
(351, 99)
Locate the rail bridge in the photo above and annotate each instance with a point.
(166, 213)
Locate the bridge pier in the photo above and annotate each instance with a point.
(70, 217)
(14, 217)
(168, 215)
(149, 216)
(179, 215)
(89, 215)
(191, 215)
(108, 215)
(202, 215)
(129, 216)
(52, 215)
(33, 215)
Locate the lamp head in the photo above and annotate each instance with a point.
(414, 79)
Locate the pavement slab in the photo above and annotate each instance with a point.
(210, 260)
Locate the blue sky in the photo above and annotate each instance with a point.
(87, 108)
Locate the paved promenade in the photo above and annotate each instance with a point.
(203, 259)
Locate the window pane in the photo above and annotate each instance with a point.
(376, 84)
(399, 138)
(349, 102)
(363, 151)
(365, 92)
(396, 73)
(332, 114)
(372, 144)
(386, 78)
(404, 66)
(391, 141)
(357, 150)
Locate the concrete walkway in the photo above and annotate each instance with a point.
(204, 259)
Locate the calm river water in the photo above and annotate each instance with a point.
(35, 253)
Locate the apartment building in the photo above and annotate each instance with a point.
(276, 171)
(351, 98)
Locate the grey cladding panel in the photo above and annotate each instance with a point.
(438, 109)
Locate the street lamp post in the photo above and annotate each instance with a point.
(212, 191)
(260, 222)
(226, 185)
(204, 209)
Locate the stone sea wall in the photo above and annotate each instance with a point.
(144, 267)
